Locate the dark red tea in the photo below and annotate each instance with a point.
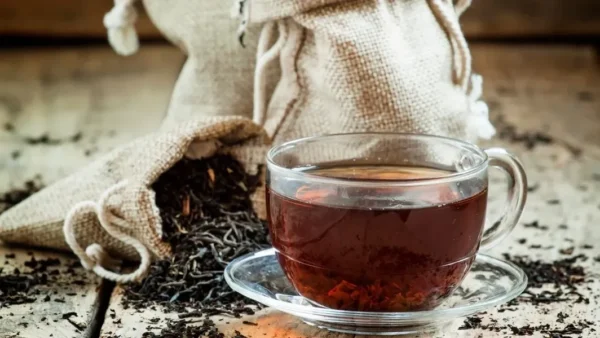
(345, 251)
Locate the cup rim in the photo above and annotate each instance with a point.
(458, 176)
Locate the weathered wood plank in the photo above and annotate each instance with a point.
(59, 109)
(486, 18)
(536, 88)
(531, 18)
(64, 293)
(65, 18)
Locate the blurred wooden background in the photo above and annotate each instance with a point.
(486, 19)
(85, 99)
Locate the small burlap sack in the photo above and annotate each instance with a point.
(109, 206)
(366, 65)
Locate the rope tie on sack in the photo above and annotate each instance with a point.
(264, 57)
(448, 15)
(265, 54)
(120, 23)
(94, 257)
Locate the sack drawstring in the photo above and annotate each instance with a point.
(94, 257)
(120, 23)
(478, 124)
(264, 56)
(448, 18)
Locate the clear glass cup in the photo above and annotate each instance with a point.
(384, 222)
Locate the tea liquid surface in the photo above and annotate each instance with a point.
(377, 249)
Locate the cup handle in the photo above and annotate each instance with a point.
(517, 195)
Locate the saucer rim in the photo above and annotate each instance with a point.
(320, 314)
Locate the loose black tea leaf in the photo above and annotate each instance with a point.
(536, 225)
(208, 219)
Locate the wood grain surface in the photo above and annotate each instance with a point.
(531, 18)
(64, 18)
(485, 19)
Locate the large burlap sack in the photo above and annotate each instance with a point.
(109, 207)
(346, 66)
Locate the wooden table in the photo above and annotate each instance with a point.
(109, 100)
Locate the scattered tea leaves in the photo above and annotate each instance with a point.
(564, 275)
(35, 281)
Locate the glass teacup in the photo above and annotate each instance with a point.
(383, 222)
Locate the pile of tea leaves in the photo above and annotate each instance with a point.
(208, 219)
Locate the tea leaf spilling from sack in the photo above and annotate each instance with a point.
(208, 219)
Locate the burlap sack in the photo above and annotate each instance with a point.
(367, 65)
(109, 207)
(217, 77)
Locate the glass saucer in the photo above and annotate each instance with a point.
(490, 282)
